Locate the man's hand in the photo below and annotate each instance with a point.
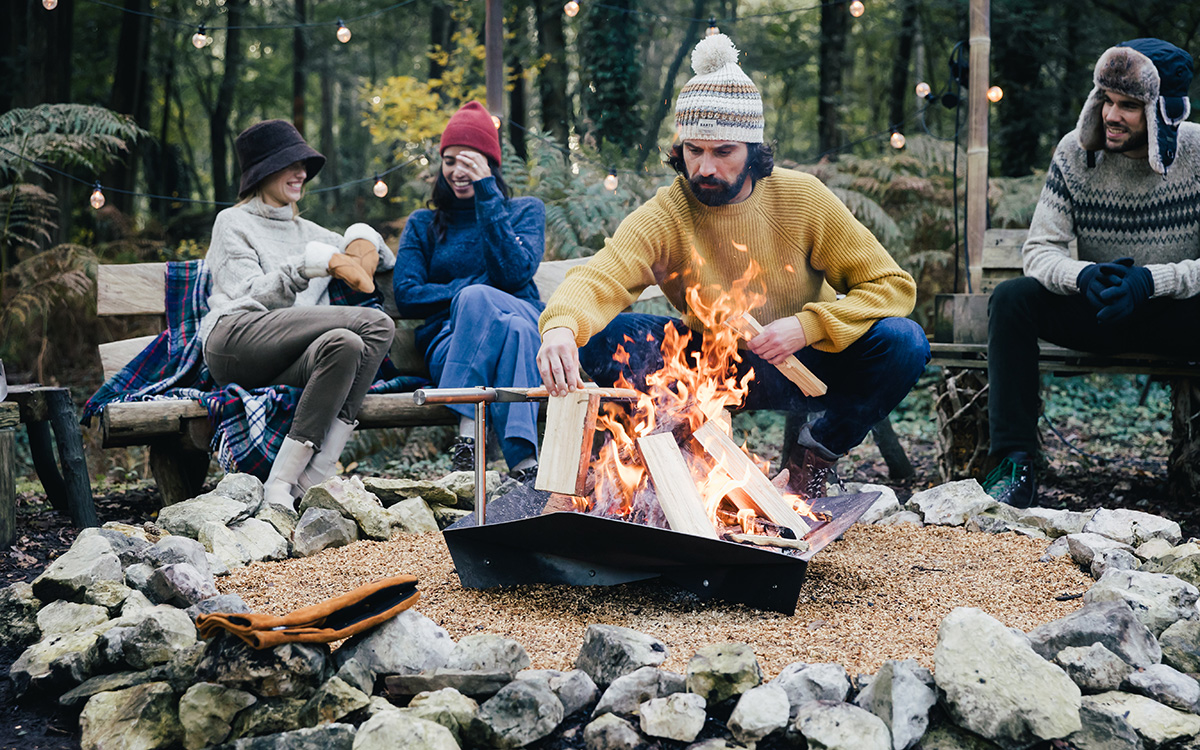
(1129, 293)
(779, 339)
(558, 361)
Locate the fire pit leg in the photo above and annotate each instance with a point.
(480, 464)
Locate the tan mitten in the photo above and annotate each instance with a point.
(365, 253)
(349, 270)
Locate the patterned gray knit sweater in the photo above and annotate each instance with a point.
(256, 259)
(1119, 208)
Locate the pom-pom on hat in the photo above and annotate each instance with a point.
(266, 147)
(720, 103)
(1154, 72)
(472, 127)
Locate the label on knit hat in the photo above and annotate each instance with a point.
(706, 127)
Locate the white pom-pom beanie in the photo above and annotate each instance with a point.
(720, 103)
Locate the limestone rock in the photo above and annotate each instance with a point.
(1132, 527)
(1113, 559)
(357, 674)
(812, 682)
(411, 516)
(997, 686)
(885, 505)
(206, 713)
(244, 488)
(1154, 550)
(269, 716)
(1166, 685)
(1084, 547)
(1111, 624)
(334, 699)
(828, 725)
(471, 682)
(224, 544)
(1181, 646)
(1157, 600)
(136, 602)
(180, 585)
(946, 736)
(629, 691)
(77, 696)
(348, 497)
(901, 694)
(1094, 669)
(723, 670)
(574, 689)
(108, 594)
(446, 516)
(392, 491)
(609, 732)
(760, 711)
(447, 707)
(521, 713)
(1154, 724)
(990, 522)
(390, 730)
(261, 540)
(1185, 568)
(291, 670)
(90, 559)
(172, 550)
(325, 737)
(462, 484)
(677, 717)
(61, 617)
(228, 603)
(282, 519)
(1055, 523)
(57, 662)
(904, 516)
(950, 504)
(610, 651)
(408, 643)
(18, 615)
(322, 528)
(188, 517)
(1057, 549)
(146, 638)
(142, 717)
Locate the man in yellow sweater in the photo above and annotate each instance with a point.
(834, 297)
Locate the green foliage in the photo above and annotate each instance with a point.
(611, 69)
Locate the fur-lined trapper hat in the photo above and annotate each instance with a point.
(1151, 71)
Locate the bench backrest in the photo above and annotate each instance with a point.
(140, 289)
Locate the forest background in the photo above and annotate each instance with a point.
(145, 98)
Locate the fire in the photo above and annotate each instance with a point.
(691, 388)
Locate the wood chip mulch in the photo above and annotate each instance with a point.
(877, 594)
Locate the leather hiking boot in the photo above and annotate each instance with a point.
(462, 454)
(1014, 481)
(809, 473)
(525, 476)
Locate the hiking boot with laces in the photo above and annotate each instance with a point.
(462, 454)
(525, 476)
(809, 473)
(1013, 482)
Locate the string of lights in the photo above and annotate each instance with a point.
(856, 8)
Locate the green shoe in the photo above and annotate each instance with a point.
(1013, 482)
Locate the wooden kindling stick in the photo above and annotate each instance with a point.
(673, 485)
(792, 368)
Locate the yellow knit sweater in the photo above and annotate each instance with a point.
(806, 242)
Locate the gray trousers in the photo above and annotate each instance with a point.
(331, 351)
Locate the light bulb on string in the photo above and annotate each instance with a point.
(712, 27)
(897, 139)
(200, 38)
(49, 4)
(343, 33)
(97, 199)
(995, 94)
(857, 8)
(496, 122)
(923, 89)
(381, 188)
(571, 9)
(610, 182)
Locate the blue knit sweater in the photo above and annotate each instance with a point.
(488, 241)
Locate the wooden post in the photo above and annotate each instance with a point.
(730, 457)
(65, 422)
(792, 368)
(567, 442)
(9, 418)
(977, 138)
(674, 486)
(493, 36)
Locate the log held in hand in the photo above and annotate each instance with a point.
(792, 368)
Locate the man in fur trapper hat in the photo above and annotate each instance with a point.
(1125, 186)
(831, 294)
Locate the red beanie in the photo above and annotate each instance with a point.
(472, 127)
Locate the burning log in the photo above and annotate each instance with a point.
(792, 369)
(739, 466)
(567, 445)
(677, 495)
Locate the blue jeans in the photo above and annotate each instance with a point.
(866, 380)
(492, 339)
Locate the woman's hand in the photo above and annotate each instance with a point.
(474, 164)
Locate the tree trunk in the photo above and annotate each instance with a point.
(835, 23)
(441, 27)
(330, 171)
(901, 64)
(552, 80)
(517, 107)
(1183, 468)
(129, 95)
(299, 71)
(664, 103)
(224, 189)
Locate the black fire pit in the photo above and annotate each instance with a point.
(519, 546)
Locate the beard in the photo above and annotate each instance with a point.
(1133, 143)
(715, 191)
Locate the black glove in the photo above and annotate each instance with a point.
(1131, 291)
(1091, 283)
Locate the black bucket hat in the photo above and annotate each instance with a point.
(267, 147)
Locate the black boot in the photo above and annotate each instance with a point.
(462, 454)
(1013, 481)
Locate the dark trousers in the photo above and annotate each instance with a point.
(1021, 311)
(866, 380)
(331, 351)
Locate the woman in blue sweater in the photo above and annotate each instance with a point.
(466, 266)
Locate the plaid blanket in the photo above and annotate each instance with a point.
(250, 424)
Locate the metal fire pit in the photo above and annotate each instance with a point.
(518, 546)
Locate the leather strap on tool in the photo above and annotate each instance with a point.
(331, 620)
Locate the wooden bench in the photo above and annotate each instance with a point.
(178, 431)
(960, 341)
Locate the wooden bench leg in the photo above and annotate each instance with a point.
(899, 467)
(41, 448)
(962, 414)
(1183, 468)
(8, 488)
(67, 435)
(179, 472)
